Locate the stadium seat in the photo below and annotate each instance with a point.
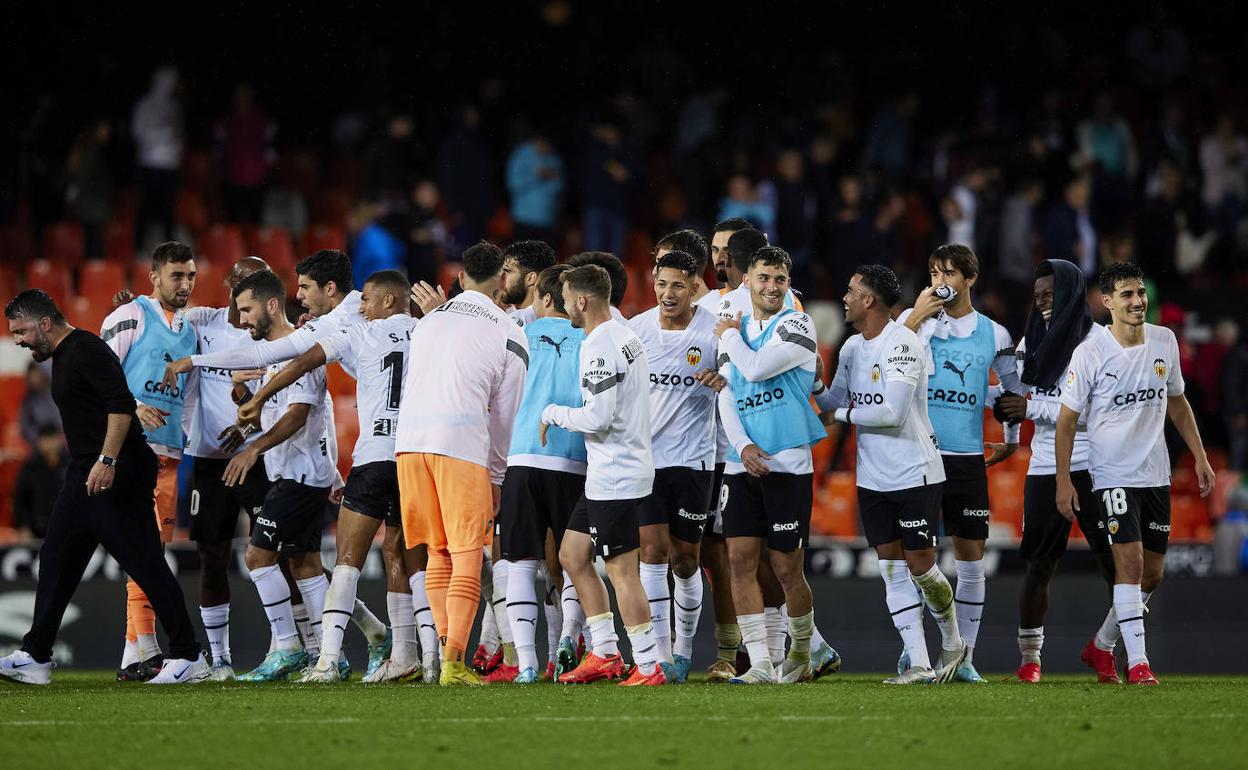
(273, 245)
(835, 511)
(99, 281)
(64, 244)
(191, 210)
(210, 289)
(56, 280)
(222, 244)
(638, 250)
(8, 280)
(332, 206)
(17, 244)
(500, 226)
(86, 314)
(1005, 493)
(119, 242)
(1188, 517)
(324, 236)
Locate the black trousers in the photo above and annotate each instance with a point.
(123, 520)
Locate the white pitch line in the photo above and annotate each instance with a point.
(611, 718)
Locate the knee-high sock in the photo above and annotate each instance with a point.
(754, 635)
(573, 612)
(338, 604)
(776, 626)
(426, 628)
(938, 595)
(522, 610)
(688, 608)
(1030, 642)
(654, 582)
(142, 619)
(554, 620)
(800, 631)
(437, 582)
(906, 608)
(403, 624)
(463, 596)
(502, 569)
(645, 648)
(968, 598)
(490, 620)
(368, 623)
(314, 590)
(275, 596)
(727, 640)
(1108, 634)
(1129, 607)
(602, 629)
(303, 626)
(217, 627)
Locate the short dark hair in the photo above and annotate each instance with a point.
(264, 285)
(732, 224)
(957, 254)
(36, 304)
(327, 265)
(550, 281)
(176, 252)
(614, 267)
(882, 282)
(482, 261)
(589, 279)
(773, 256)
(394, 281)
(742, 245)
(689, 242)
(678, 260)
(533, 256)
(1114, 272)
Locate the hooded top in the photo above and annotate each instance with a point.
(1049, 346)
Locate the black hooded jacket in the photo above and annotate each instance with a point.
(1049, 346)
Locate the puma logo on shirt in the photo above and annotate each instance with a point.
(960, 372)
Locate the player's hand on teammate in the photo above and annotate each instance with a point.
(249, 412)
(725, 324)
(151, 417)
(239, 376)
(100, 479)
(1000, 452)
(427, 298)
(303, 319)
(175, 369)
(1010, 407)
(233, 437)
(1067, 497)
(541, 433)
(239, 465)
(754, 460)
(335, 495)
(122, 297)
(711, 379)
(1205, 477)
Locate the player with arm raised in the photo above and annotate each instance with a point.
(881, 387)
(1126, 381)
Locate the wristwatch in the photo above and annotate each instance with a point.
(111, 462)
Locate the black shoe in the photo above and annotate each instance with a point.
(142, 671)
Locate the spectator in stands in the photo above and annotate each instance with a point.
(37, 409)
(1224, 163)
(890, 143)
(380, 240)
(39, 482)
(89, 184)
(961, 208)
(464, 171)
(1018, 233)
(1162, 217)
(391, 162)
(748, 201)
(1105, 141)
(608, 174)
(852, 228)
(245, 151)
(427, 236)
(159, 135)
(1068, 231)
(796, 207)
(535, 181)
(1235, 400)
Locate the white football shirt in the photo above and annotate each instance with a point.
(304, 457)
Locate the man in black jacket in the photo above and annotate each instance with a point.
(107, 498)
(39, 483)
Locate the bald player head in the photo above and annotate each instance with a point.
(242, 268)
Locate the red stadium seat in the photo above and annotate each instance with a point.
(210, 289)
(222, 244)
(1005, 491)
(64, 244)
(1189, 517)
(273, 245)
(17, 244)
(56, 280)
(191, 210)
(331, 206)
(8, 280)
(324, 236)
(86, 314)
(99, 281)
(835, 511)
(119, 242)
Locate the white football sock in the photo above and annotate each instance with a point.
(554, 618)
(404, 652)
(368, 623)
(339, 602)
(573, 612)
(303, 626)
(774, 618)
(313, 590)
(275, 596)
(149, 647)
(1129, 607)
(501, 569)
(606, 642)
(938, 595)
(521, 609)
(645, 648)
(654, 582)
(129, 653)
(727, 640)
(800, 631)
(1030, 642)
(687, 601)
(490, 620)
(906, 607)
(754, 635)
(1108, 634)
(968, 599)
(425, 627)
(217, 627)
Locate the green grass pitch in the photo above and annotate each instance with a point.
(84, 719)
